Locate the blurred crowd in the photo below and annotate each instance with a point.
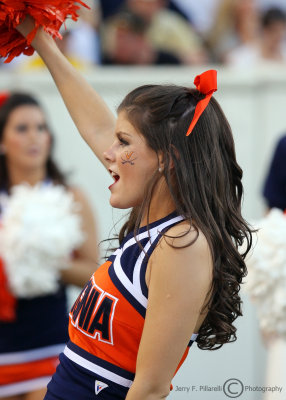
(174, 32)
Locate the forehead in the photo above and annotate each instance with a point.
(123, 124)
(26, 113)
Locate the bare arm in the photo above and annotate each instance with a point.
(179, 282)
(86, 258)
(92, 117)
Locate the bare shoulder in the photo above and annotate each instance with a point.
(182, 234)
(77, 193)
(184, 250)
(183, 240)
(85, 208)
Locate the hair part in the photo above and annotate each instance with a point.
(205, 184)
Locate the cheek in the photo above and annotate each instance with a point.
(45, 143)
(128, 158)
(136, 167)
(14, 143)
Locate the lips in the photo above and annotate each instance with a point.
(115, 176)
(33, 151)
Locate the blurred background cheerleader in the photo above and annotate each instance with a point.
(33, 329)
(266, 281)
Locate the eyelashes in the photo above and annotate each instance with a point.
(123, 141)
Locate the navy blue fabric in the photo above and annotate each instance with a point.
(102, 363)
(148, 255)
(130, 256)
(274, 189)
(191, 342)
(73, 382)
(40, 321)
(135, 303)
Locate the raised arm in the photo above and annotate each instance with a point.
(92, 117)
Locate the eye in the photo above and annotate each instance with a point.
(122, 141)
(42, 127)
(21, 128)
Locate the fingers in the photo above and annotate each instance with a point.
(26, 26)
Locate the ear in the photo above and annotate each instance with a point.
(172, 154)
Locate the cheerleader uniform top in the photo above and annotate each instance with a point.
(31, 342)
(106, 322)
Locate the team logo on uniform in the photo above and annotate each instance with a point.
(99, 386)
(93, 311)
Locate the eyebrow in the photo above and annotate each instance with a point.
(122, 133)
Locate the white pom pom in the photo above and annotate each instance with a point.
(266, 279)
(40, 229)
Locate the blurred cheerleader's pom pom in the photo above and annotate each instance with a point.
(266, 279)
(49, 14)
(40, 229)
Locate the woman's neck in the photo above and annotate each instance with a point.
(16, 176)
(162, 204)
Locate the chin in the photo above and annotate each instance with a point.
(121, 204)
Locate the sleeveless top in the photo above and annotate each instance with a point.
(107, 319)
(40, 326)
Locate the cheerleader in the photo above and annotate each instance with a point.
(266, 280)
(33, 327)
(176, 275)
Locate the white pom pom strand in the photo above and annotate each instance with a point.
(40, 229)
(266, 279)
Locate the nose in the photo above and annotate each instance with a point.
(109, 154)
(33, 134)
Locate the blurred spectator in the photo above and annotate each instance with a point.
(124, 42)
(201, 13)
(165, 32)
(266, 277)
(274, 190)
(109, 8)
(270, 47)
(266, 4)
(82, 44)
(236, 23)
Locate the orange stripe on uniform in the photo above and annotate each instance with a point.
(21, 372)
(127, 326)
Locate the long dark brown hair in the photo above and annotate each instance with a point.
(14, 101)
(205, 184)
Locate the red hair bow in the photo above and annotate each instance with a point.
(206, 83)
(3, 97)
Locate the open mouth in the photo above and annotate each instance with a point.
(115, 176)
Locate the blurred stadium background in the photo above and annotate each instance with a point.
(119, 45)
